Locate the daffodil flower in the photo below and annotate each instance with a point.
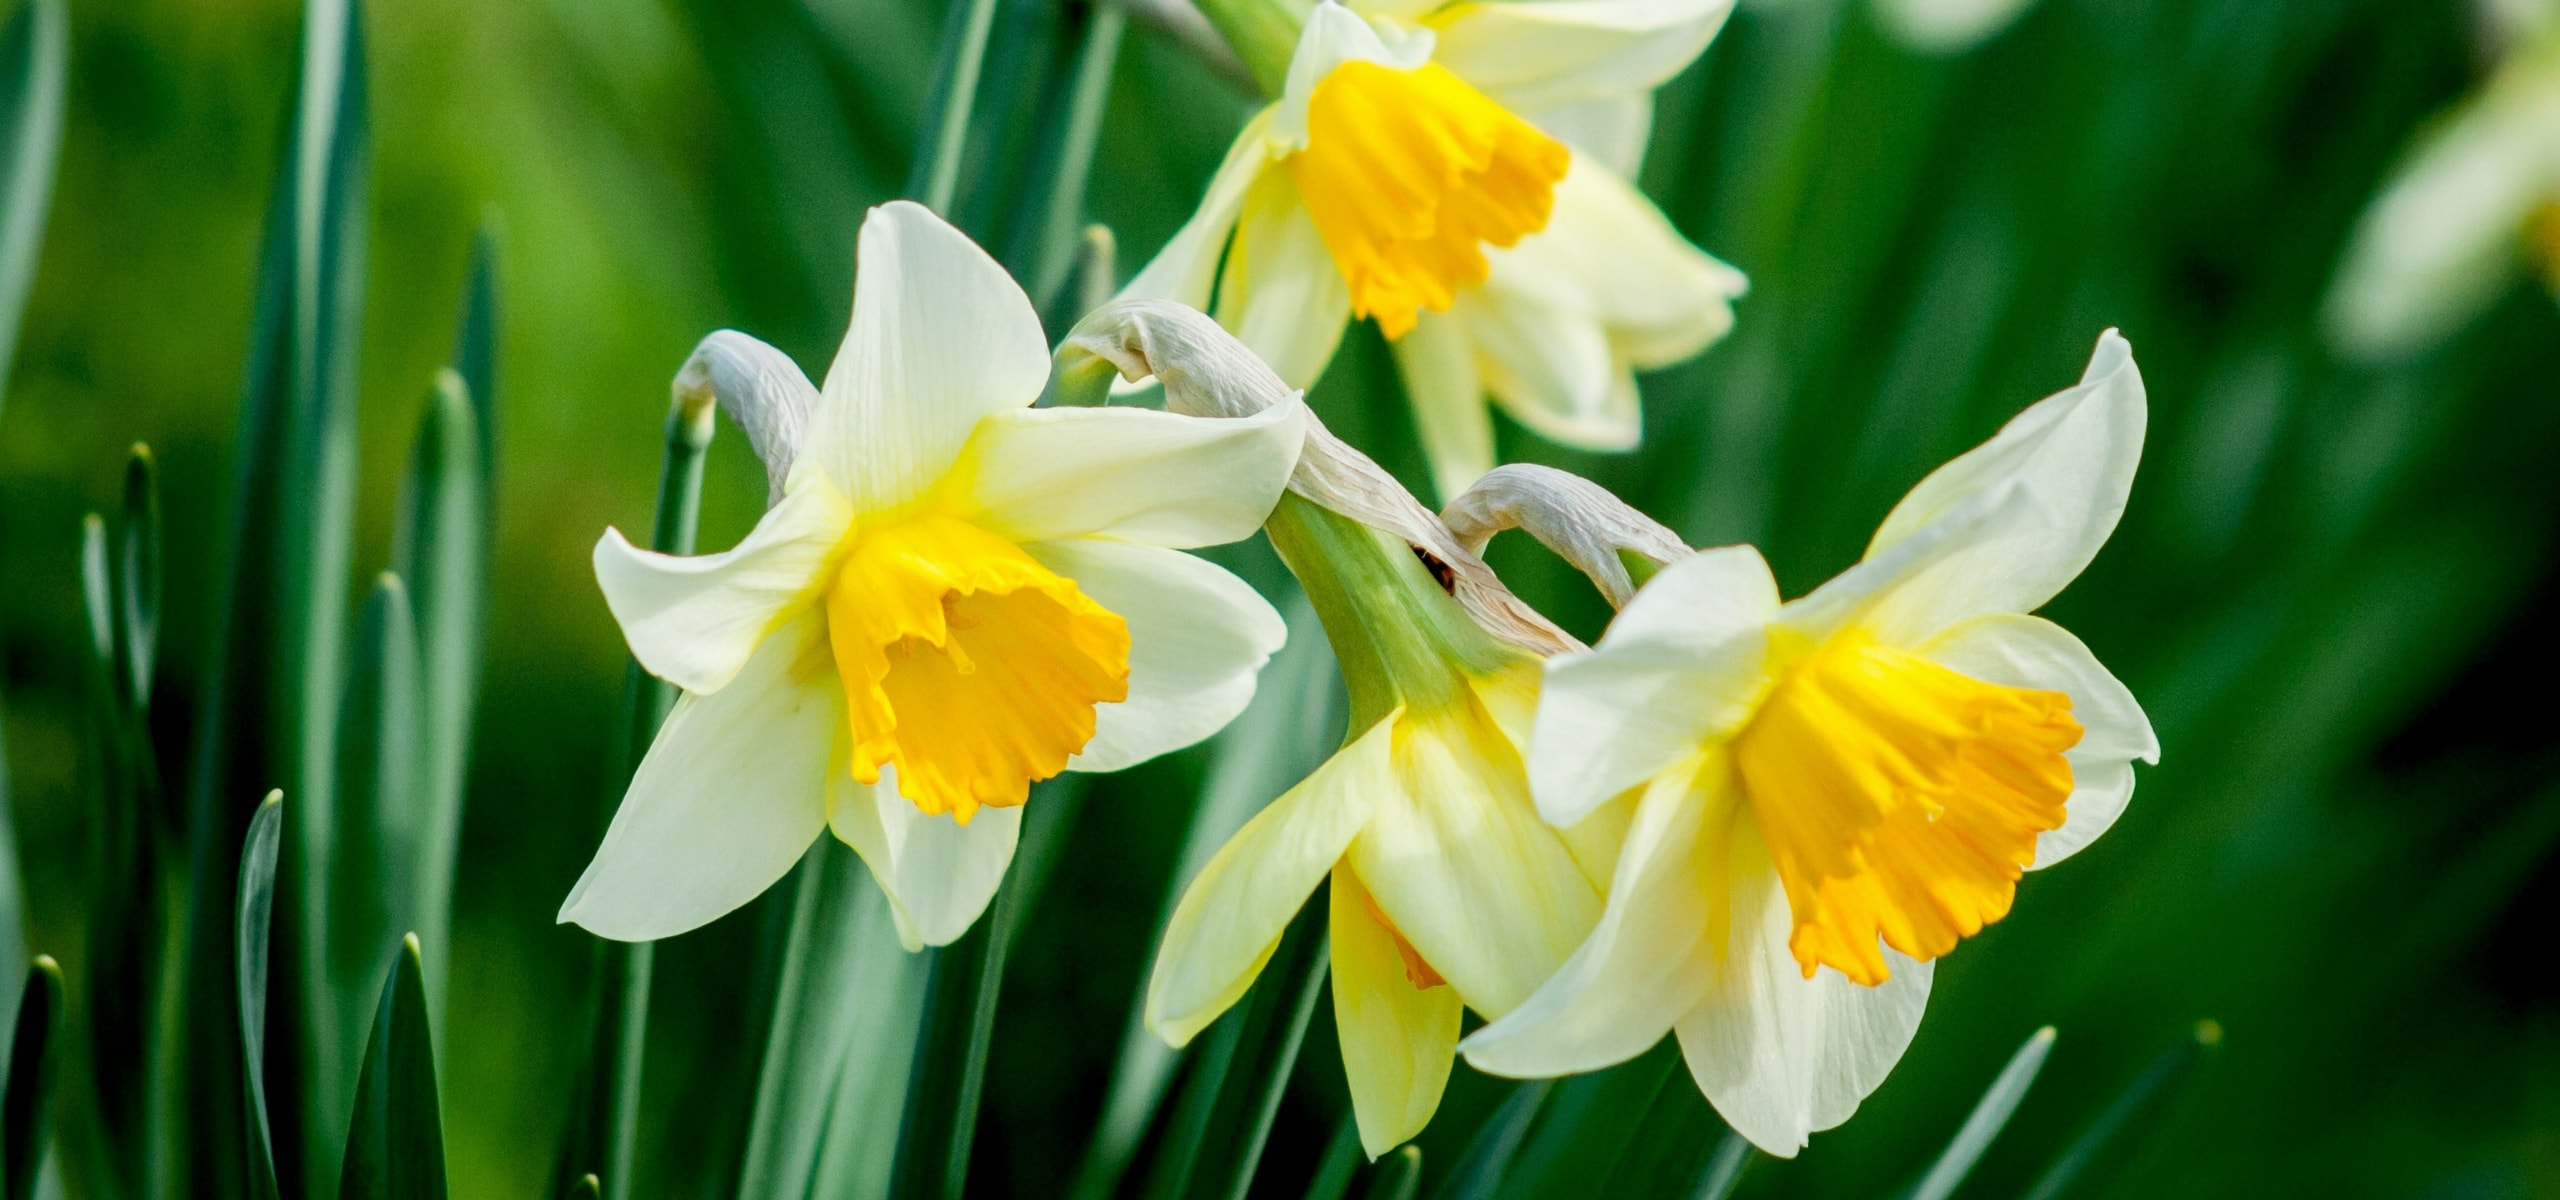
(954, 595)
(1458, 173)
(1835, 790)
(2475, 209)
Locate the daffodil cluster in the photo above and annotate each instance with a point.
(1749, 823)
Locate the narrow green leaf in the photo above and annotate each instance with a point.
(1224, 1117)
(1340, 1162)
(959, 1013)
(441, 551)
(2134, 1112)
(1990, 1115)
(475, 355)
(1399, 1174)
(936, 177)
(586, 1188)
(604, 1109)
(362, 883)
(395, 1145)
(254, 922)
(1480, 1168)
(835, 1072)
(1724, 1171)
(1278, 739)
(1048, 242)
(1588, 1123)
(1680, 1147)
(13, 924)
(123, 906)
(26, 1109)
(139, 573)
(33, 72)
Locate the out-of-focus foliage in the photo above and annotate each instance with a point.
(2329, 593)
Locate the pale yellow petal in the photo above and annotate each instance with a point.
(1398, 1040)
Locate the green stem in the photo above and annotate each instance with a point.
(1264, 34)
(1400, 639)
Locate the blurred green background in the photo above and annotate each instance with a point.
(2333, 590)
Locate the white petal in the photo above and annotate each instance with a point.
(1335, 35)
(1489, 895)
(1186, 269)
(1155, 478)
(729, 796)
(2032, 652)
(1613, 131)
(1398, 1040)
(1618, 258)
(1782, 1057)
(1543, 53)
(1916, 563)
(1437, 363)
(1198, 638)
(1645, 965)
(1281, 293)
(1231, 916)
(939, 874)
(1546, 359)
(1682, 663)
(2072, 456)
(941, 336)
(693, 621)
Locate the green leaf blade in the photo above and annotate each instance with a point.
(395, 1145)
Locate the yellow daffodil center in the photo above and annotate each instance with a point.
(1899, 799)
(966, 664)
(1408, 174)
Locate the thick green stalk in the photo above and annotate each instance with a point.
(1400, 639)
(604, 1114)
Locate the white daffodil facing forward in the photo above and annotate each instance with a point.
(1458, 172)
(1836, 790)
(2474, 209)
(954, 595)
(1446, 890)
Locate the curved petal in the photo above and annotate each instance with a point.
(1542, 53)
(1438, 367)
(940, 337)
(1138, 475)
(1648, 961)
(1682, 662)
(693, 621)
(1546, 359)
(1187, 268)
(1459, 863)
(938, 874)
(1616, 257)
(2032, 652)
(1198, 638)
(729, 796)
(2071, 455)
(1231, 916)
(1780, 1056)
(1917, 566)
(1398, 1040)
(1281, 294)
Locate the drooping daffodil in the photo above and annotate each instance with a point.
(1446, 890)
(2473, 211)
(1458, 172)
(1834, 791)
(952, 596)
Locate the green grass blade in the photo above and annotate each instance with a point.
(1278, 739)
(254, 921)
(1680, 1147)
(604, 1108)
(1048, 239)
(1399, 1175)
(1589, 1121)
(123, 907)
(26, 1109)
(33, 73)
(586, 1188)
(139, 576)
(475, 356)
(1724, 1170)
(1481, 1166)
(395, 1145)
(441, 552)
(1990, 1115)
(2135, 1110)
